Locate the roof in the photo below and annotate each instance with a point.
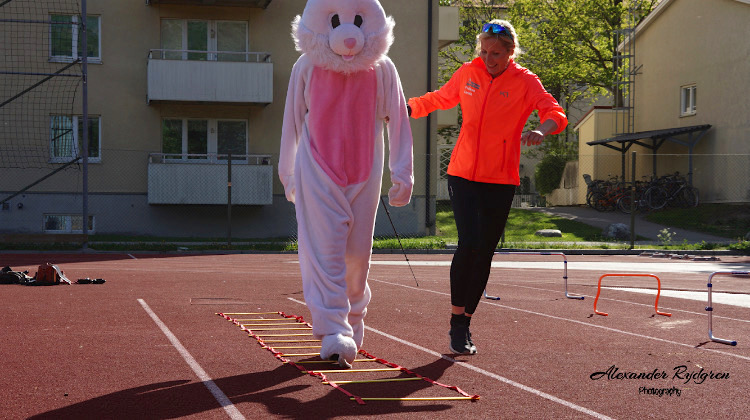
(652, 134)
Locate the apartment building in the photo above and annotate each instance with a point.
(690, 89)
(176, 87)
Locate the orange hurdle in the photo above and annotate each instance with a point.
(658, 291)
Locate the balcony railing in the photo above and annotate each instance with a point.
(240, 3)
(204, 178)
(210, 76)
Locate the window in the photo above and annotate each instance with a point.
(687, 100)
(194, 39)
(66, 138)
(66, 41)
(66, 223)
(202, 140)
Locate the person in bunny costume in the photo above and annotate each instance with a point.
(342, 92)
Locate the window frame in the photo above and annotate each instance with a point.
(211, 37)
(67, 222)
(212, 141)
(74, 53)
(75, 152)
(688, 96)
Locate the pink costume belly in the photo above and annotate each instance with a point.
(341, 123)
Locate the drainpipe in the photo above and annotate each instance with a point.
(427, 213)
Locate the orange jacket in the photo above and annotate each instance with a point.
(494, 114)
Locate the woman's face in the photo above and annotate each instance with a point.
(494, 54)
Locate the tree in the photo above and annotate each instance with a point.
(571, 44)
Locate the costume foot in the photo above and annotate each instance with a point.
(339, 348)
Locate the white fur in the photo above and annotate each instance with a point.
(324, 44)
(341, 345)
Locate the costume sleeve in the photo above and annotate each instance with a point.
(446, 97)
(292, 127)
(547, 106)
(400, 142)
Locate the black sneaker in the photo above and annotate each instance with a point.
(460, 336)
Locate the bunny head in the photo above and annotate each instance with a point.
(344, 36)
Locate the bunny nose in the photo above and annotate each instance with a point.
(350, 43)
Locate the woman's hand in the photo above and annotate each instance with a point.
(532, 138)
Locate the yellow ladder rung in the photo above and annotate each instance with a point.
(271, 325)
(357, 370)
(373, 381)
(331, 361)
(279, 329)
(291, 341)
(251, 313)
(300, 354)
(414, 398)
(298, 347)
(283, 335)
(263, 319)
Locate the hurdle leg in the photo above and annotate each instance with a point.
(710, 307)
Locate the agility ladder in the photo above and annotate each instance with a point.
(293, 333)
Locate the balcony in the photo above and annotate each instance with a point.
(215, 76)
(261, 4)
(448, 26)
(202, 179)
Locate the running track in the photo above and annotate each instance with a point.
(147, 343)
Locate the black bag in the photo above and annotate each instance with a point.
(8, 276)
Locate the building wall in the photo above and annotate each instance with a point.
(131, 127)
(706, 44)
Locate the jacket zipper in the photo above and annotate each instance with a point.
(479, 131)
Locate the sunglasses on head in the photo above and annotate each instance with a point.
(495, 28)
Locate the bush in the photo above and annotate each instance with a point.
(548, 173)
(743, 246)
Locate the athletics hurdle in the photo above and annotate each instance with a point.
(658, 291)
(710, 308)
(565, 271)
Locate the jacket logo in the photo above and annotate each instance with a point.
(471, 87)
(505, 94)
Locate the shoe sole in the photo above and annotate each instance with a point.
(472, 350)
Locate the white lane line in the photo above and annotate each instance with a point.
(486, 373)
(734, 299)
(202, 375)
(577, 322)
(604, 267)
(131, 256)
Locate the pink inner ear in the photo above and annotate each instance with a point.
(342, 122)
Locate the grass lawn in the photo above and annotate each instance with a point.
(726, 220)
(521, 227)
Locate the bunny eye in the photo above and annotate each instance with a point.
(358, 21)
(335, 22)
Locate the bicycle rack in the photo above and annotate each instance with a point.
(710, 308)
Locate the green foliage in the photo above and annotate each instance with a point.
(666, 236)
(570, 44)
(548, 173)
(742, 246)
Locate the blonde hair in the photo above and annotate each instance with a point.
(509, 44)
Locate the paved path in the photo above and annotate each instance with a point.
(643, 227)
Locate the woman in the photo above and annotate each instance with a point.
(496, 96)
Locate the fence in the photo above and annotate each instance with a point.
(194, 202)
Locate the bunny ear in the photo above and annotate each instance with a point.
(295, 32)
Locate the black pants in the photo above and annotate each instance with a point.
(481, 211)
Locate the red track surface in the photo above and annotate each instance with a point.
(93, 351)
